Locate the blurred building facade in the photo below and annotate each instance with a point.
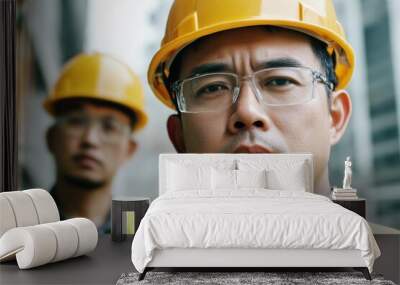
(51, 31)
(373, 140)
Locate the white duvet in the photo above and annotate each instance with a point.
(252, 218)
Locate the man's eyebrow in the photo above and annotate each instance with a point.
(209, 68)
(222, 67)
(280, 62)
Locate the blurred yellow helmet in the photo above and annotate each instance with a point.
(190, 20)
(99, 77)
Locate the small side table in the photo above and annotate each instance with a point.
(356, 205)
(126, 214)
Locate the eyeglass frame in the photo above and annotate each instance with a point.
(125, 128)
(177, 89)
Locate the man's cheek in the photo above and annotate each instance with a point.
(290, 128)
(68, 146)
(302, 130)
(64, 153)
(114, 158)
(202, 134)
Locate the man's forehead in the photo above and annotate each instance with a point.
(260, 43)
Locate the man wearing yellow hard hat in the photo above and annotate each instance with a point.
(256, 76)
(97, 103)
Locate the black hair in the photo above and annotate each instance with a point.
(319, 48)
(66, 106)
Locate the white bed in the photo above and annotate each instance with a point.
(200, 223)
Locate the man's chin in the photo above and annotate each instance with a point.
(86, 183)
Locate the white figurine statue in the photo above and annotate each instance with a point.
(347, 174)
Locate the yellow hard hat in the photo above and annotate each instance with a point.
(99, 77)
(190, 20)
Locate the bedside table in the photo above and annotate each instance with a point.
(126, 214)
(356, 205)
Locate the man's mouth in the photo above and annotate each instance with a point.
(252, 149)
(87, 161)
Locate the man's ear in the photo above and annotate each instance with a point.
(340, 113)
(50, 133)
(132, 147)
(174, 128)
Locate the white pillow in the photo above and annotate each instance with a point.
(224, 179)
(251, 178)
(181, 177)
(293, 179)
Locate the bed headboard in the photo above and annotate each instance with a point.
(231, 161)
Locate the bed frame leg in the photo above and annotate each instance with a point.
(143, 274)
(364, 271)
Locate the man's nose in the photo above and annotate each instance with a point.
(248, 112)
(91, 135)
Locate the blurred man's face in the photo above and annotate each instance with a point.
(90, 143)
(248, 126)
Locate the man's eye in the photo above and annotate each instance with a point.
(110, 126)
(213, 89)
(278, 82)
(76, 121)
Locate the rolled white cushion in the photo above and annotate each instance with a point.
(33, 246)
(45, 206)
(26, 208)
(7, 218)
(40, 244)
(87, 235)
(23, 208)
(67, 240)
